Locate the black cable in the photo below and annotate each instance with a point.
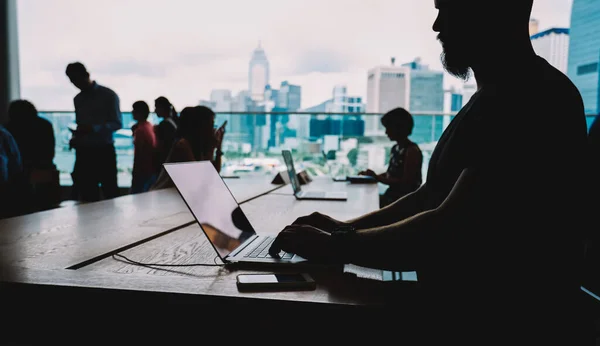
(123, 258)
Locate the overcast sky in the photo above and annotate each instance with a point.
(183, 49)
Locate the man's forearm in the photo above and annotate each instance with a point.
(401, 246)
(405, 207)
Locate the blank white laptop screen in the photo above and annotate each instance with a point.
(212, 204)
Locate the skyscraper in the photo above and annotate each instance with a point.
(426, 101)
(258, 74)
(338, 124)
(290, 96)
(426, 88)
(342, 103)
(584, 51)
(388, 87)
(553, 45)
(222, 100)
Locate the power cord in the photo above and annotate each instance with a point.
(119, 257)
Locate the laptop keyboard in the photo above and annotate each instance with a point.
(262, 250)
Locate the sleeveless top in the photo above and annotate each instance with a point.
(396, 170)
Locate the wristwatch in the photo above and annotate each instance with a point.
(343, 239)
(343, 231)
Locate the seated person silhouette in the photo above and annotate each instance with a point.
(35, 138)
(497, 244)
(404, 170)
(13, 185)
(197, 140)
(34, 135)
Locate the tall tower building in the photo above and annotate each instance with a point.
(388, 87)
(584, 51)
(258, 74)
(553, 45)
(342, 103)
(426, 88)
(222, 99)
(426, 101)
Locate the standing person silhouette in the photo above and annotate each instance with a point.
(165, 131)
(144, 144)
(495, 233)
(98, 117)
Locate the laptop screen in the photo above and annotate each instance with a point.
(287, 157)
(212, 204)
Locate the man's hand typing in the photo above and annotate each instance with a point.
(322, 222)
(307, 242)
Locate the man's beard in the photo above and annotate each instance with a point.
(456, 65)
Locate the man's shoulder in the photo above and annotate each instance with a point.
(78, 97)
(147, 128)
(554, 82)
(545, 91)
(413, 148)
(106, 90)
(43, 121)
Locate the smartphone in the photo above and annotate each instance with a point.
(282, 282)
(222, 125)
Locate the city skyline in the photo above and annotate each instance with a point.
(184, 51)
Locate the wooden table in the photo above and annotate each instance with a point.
(61, 260)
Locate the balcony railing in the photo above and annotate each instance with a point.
(253, 141)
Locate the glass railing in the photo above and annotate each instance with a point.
(321, 143)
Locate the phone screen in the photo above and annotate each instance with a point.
(270, 278)
(222, 125)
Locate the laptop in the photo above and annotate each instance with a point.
(354, 179)
(220, 217)
(308, 195)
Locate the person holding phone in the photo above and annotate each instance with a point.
(196, 140)
(165, 131)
